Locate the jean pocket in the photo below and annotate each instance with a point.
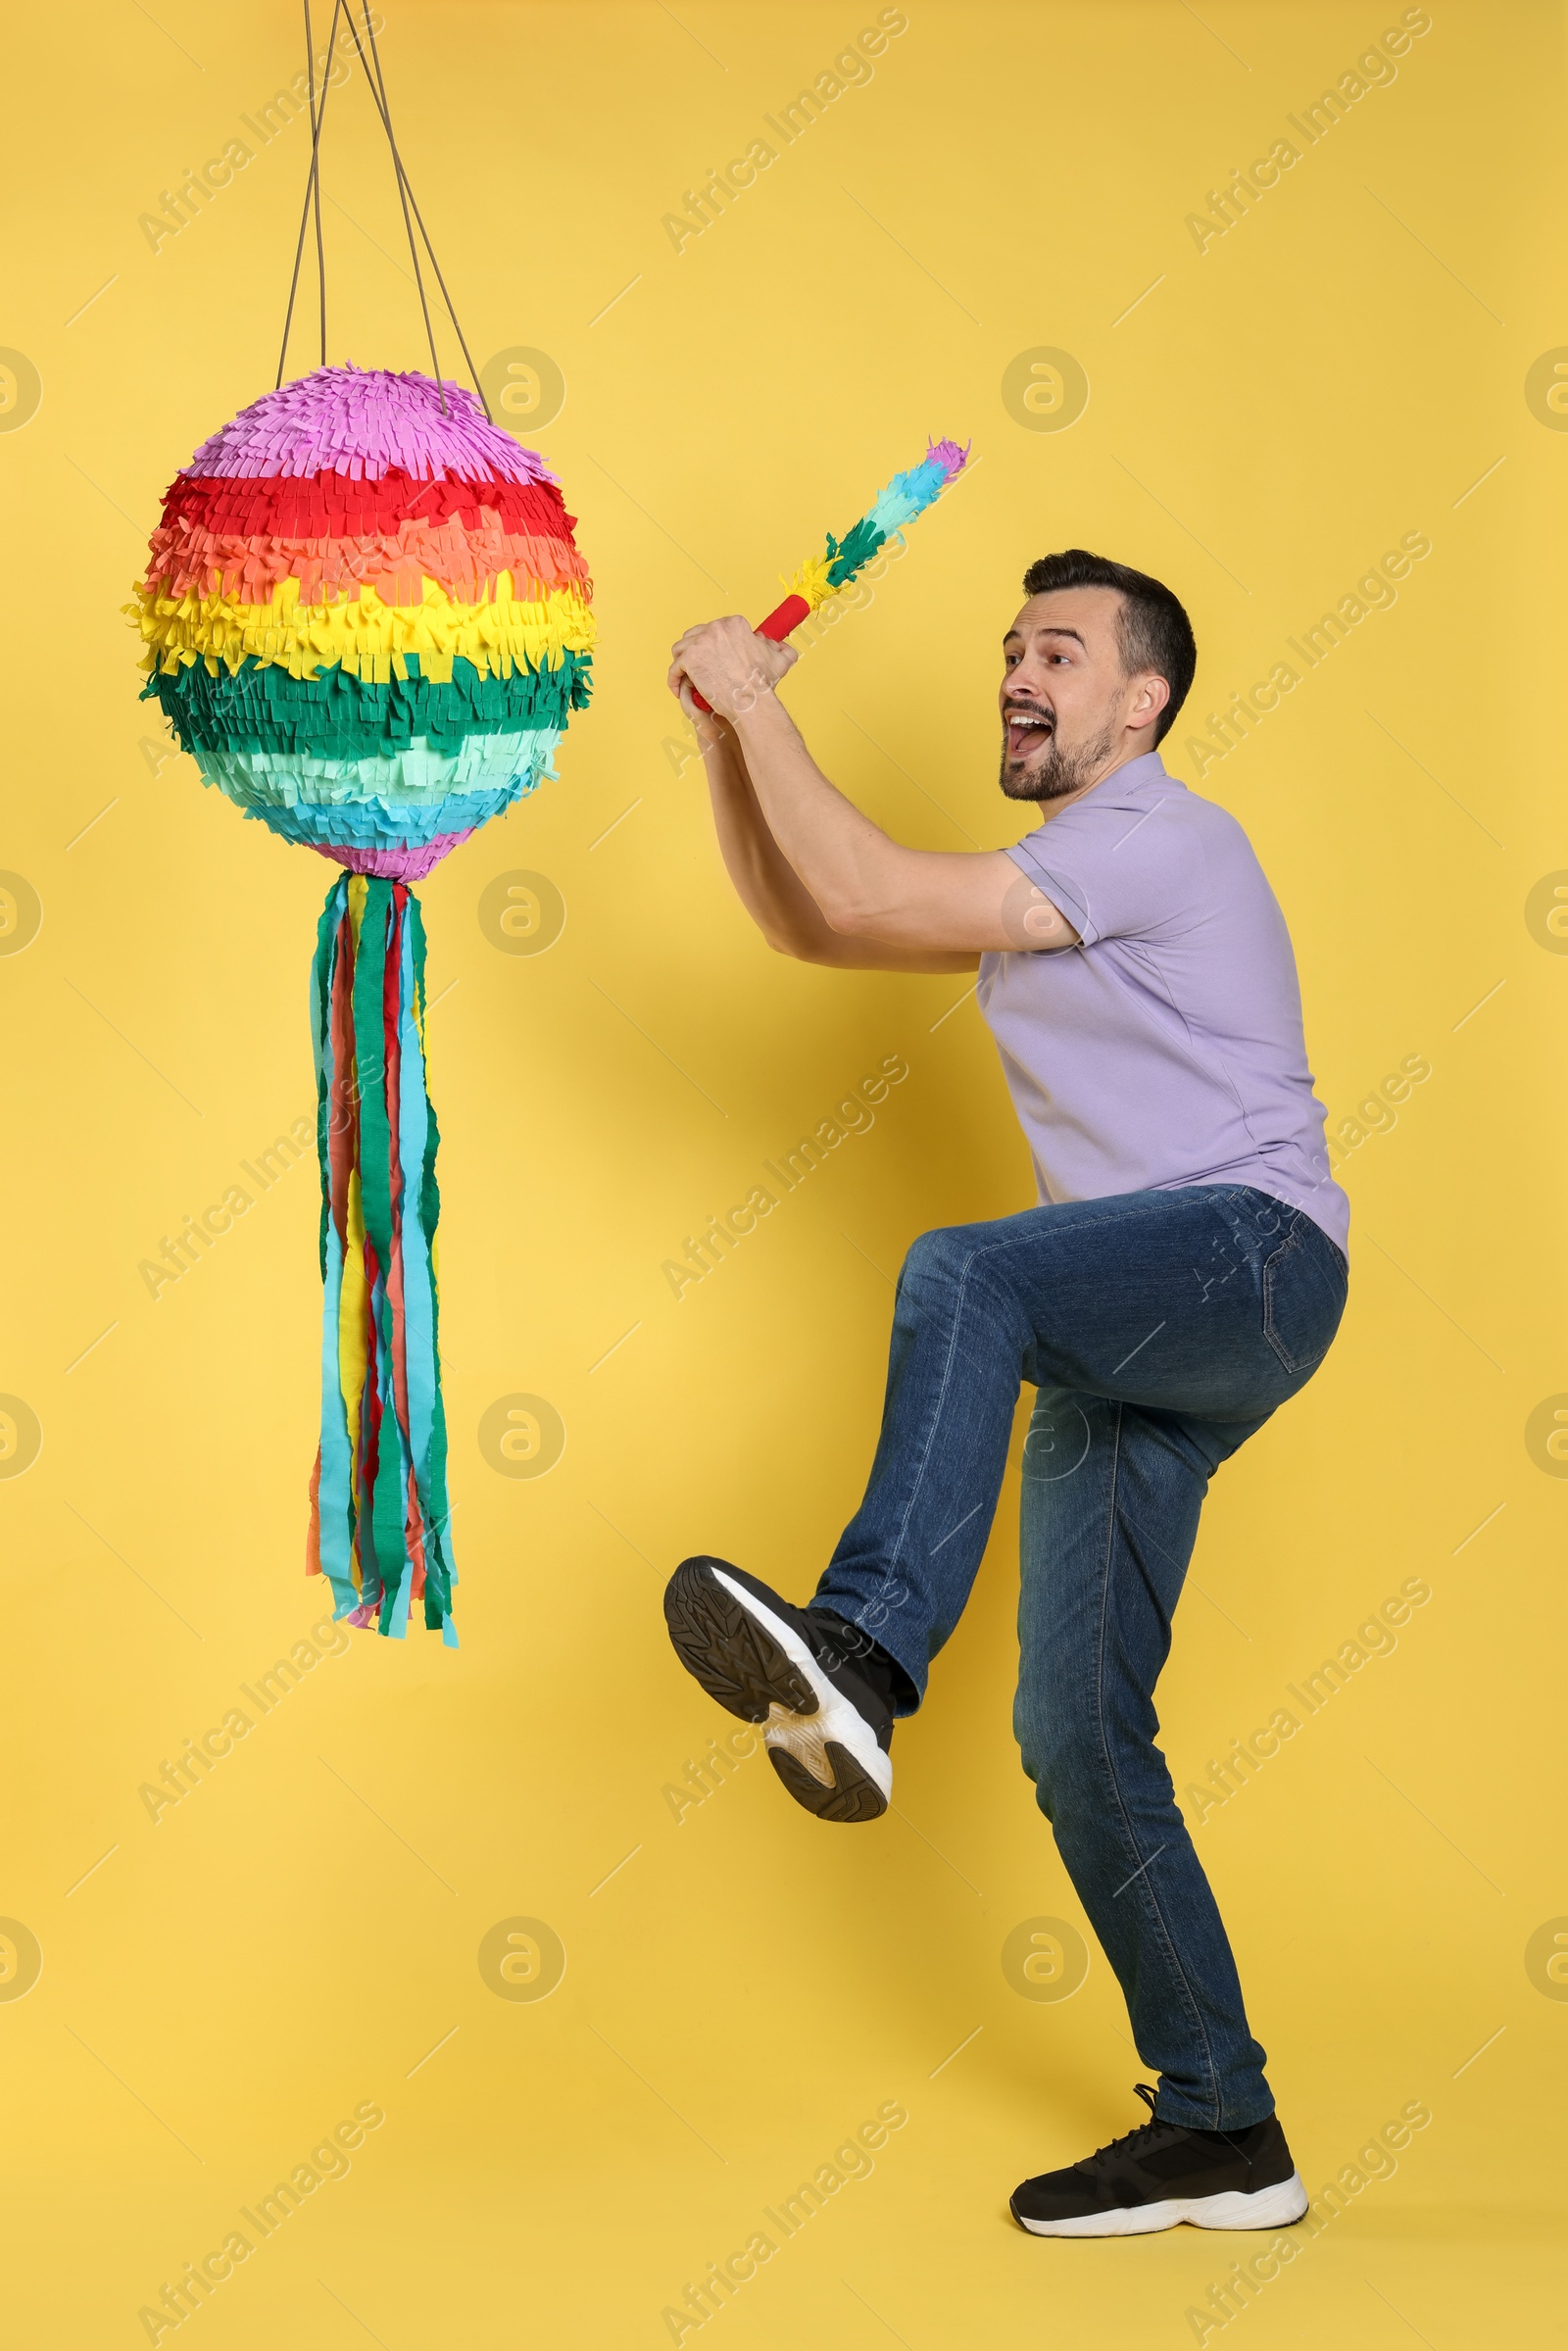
(1305, 1286)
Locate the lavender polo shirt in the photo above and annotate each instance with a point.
(1167, 1048)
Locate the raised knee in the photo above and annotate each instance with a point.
(938, 1259)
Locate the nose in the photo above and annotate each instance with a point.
(1024, 682)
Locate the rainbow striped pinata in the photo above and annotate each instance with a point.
(368, 623)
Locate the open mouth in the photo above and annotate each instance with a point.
(1026, 731)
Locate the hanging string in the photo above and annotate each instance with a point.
(316, 175)
(378, 90)
(312, 190)
(371, 59)
(403, 195)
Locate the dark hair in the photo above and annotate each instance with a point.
(1154, 629)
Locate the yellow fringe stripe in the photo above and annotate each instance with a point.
(364, 633)
(811, 582)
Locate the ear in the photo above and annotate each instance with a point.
(1150, 693)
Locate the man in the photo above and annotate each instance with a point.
(1184, 1274)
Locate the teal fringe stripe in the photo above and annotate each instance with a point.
(337, 716)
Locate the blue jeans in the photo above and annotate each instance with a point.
(1160, 1329)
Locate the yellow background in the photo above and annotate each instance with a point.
(292, 1940)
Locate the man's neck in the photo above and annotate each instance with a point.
(1120, 759)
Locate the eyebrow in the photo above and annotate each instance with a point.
(1015, 634)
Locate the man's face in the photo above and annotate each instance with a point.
(1069, 714)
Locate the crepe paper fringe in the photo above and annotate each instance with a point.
(418, 779)
(336, 716)
(396, 864)
(365, 635)
(361, 422)
(907, 496)
(397, 565)
(328, 505)
(364, 823)
(380, 1519)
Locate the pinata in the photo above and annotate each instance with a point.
(368, 621)
(824, 575)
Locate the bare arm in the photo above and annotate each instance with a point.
(917, 903)
(767, 884)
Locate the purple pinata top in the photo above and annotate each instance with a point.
(363, 421)
(1167, 1048)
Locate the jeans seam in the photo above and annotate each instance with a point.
(895, 1553)
(1142, 1867)
(1087, 1224)
(1288, 1247)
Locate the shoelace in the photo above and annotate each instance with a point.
(1130, 2138)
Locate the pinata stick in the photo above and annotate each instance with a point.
(821, 577)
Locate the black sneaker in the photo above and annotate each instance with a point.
(827, 1730)
(1162, 2173)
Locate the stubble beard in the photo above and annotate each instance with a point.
(1059, 771)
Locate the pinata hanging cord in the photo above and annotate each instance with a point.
(369, 58)
(379, 1514)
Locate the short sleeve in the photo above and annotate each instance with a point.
(1116, 873)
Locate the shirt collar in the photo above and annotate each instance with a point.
(1136, 775)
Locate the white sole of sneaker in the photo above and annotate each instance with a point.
(1266, 2208)
(806, 1737)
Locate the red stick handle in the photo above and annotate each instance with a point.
(780, 621)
